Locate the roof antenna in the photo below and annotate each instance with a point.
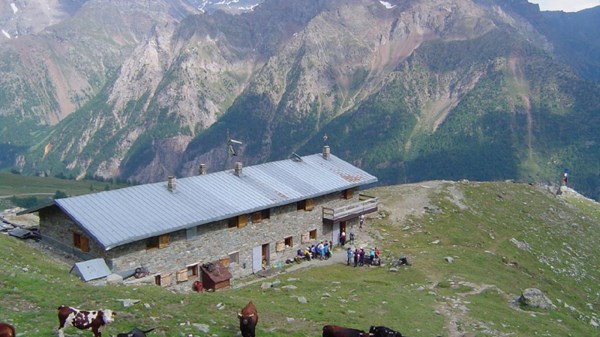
(230, 148)
(295, 157)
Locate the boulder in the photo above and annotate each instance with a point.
(535, 298)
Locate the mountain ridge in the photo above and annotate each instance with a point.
(394, 86)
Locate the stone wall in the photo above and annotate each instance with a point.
(57, 229)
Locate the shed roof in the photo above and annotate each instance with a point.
(91, 269)
(117, 217)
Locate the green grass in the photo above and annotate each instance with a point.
(478, 287)
(44, 188)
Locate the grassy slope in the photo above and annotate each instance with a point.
(430, 298)
(45, 187)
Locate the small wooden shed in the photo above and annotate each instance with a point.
(215, 276)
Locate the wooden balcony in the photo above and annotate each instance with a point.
(367, 204)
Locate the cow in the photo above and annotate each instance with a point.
(83, 320)
(7, 330)
(340, 331)
(248, 320)
(382, 331)
(135, 332)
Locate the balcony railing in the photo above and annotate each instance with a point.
(367, 205)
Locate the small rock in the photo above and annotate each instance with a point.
(114, 278)
(302, 300)
(449, 259)
(201, 327)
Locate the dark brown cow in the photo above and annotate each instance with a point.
(135, 333)
(83, 320)
(248, 320)
(340, 331)
(7, 330)
(382, 331)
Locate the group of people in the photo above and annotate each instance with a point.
(360, 256)
(321, 251)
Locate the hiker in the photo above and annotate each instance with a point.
(349, 255)
(342, 238)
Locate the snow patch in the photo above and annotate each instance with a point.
(387, 4)
(6, 34)
(14, 7)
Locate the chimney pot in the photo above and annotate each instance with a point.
(171, 183)
(326, 152)
(202, 169)
(238, 168)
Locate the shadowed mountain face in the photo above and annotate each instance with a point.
(408, 90)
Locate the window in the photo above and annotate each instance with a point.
(289, 242)
(313, 234)
(306, 205)
(158, 241)
(191, 233)
(347, 194)
(234, 257)
(261, 215)
(238, 222)
(81, 241)
(192, 270)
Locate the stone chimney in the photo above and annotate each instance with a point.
(202, 169)
(171, 183)
(326, 152)
(237, 169)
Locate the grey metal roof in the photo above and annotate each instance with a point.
(117, 217)
(91, 269)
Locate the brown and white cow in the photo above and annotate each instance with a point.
(7, 330)
(83, 320)
(248, 320)
(340, 331)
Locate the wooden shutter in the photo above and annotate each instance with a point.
(256, 217)
(84, 243)
(182, 275)
(225, 262)
(310, 205)
(305, 238)
(280, 246)
(164, 240)
(242, 221)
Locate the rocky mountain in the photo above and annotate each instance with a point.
(408, 90)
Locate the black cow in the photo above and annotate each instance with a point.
(248, 320)
(382, 331)
(135, 333)
(340, 331)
